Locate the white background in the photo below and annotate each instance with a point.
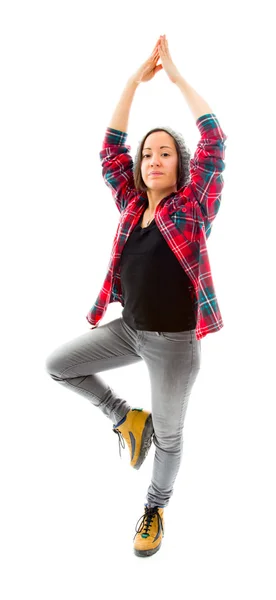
(69, 505)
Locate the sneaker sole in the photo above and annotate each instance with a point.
(145, 446)
(149, 552)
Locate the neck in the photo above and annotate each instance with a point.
(155, 196)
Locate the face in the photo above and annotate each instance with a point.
(159, 154)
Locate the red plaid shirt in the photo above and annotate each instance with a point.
(184, 218)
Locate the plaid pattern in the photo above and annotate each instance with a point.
(184, 218)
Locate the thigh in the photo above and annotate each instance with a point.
(100, 349)
(173, 360)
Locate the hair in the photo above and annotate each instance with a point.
(183, 164)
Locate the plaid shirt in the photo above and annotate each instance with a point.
(184, 218)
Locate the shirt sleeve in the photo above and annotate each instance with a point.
(117, 166)
(206, 168)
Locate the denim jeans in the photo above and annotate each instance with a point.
(173, 361)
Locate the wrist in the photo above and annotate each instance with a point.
(132, 82)
(178, 79)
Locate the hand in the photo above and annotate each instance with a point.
(149, 67)
(166, 59)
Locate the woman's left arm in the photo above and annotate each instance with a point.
(196, 103)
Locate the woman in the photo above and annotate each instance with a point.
(160, 272)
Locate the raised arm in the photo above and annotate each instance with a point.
(196, 103)
(117, 163)
(207, 165)
(146, 71)
(120, 116)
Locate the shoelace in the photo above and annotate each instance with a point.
(147, 517)
(121, 440)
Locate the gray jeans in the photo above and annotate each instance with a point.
(173, 362)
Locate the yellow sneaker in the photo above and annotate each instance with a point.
(137, 429)
(150, 533)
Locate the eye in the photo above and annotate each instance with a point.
(145, 155)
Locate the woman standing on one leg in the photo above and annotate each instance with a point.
(171, 356)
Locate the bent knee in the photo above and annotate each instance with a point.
(52, 366)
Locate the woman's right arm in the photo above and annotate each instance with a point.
(120, 116)
(144, 73)
(117, 163)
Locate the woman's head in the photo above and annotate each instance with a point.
(172, 160)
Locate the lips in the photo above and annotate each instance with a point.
(155, 173)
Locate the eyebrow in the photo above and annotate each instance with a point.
(160, 148)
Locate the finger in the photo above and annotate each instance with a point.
(154, 50)
(154, 56)
(158, 68)
(163, 47)
(156, 45)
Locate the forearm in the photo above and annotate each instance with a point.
(196, 103)
(120, 116)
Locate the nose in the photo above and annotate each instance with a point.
(154, 162)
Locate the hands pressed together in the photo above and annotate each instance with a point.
(149, 68)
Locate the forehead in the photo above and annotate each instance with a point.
(157, 139)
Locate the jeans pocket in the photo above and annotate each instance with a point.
(177, 336)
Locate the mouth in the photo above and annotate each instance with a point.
(153, 174)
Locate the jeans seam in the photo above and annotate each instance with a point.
(182, 409)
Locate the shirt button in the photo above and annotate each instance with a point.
(184, 209)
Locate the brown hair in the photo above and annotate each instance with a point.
(183, 163)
